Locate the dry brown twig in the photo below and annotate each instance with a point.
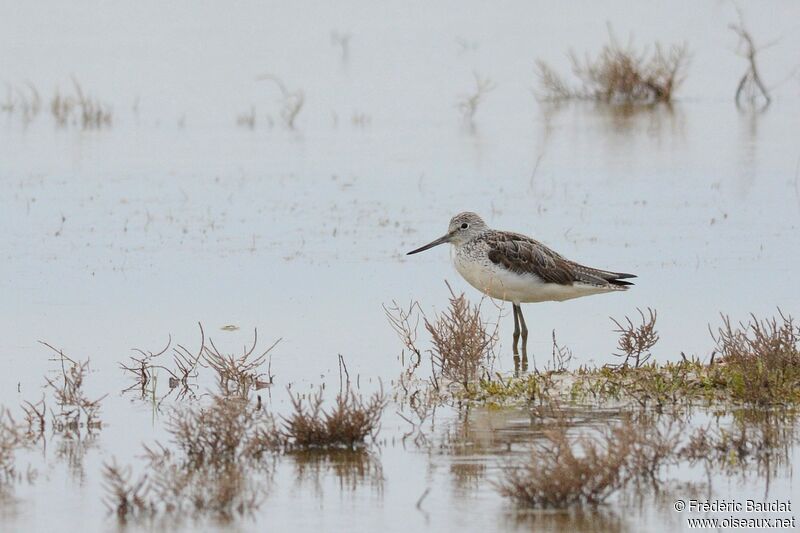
(636, 341)
(238, 375)
(561, 356)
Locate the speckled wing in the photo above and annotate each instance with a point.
(523, 255)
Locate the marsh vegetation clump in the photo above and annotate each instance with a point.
(221, 454)
(575, 465)
(76, 409)
(347, 424)
(79, 108)
(238, 375)
(619, 74)
(228, 430)
(463, 342)
(24, 99)
(462, 348)
(636, 341)
(565, 470)
(754, 363)
(209, 467)
(759, 361)
(74, 421)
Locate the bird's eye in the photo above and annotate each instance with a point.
(464, 225)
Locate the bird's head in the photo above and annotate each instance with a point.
(463, 228)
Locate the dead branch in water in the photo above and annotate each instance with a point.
(292, 101)
(468, 104)
(750, 85)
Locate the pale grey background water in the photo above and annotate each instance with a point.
(175, 215)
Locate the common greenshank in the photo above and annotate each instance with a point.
(515, 268)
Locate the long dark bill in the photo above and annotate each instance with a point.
(437, 242)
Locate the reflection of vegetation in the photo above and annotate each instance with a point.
(216, 450)
(352, 468)
(80, 108)
(574, 465)
(12, 437)
(74, 422)
(600, 520)
(72, 450)
(76, 410)
(469, 103)
(629, 122)
(291, 101)
(757, 439)
(566, 471)
(467, 475)
(209, 471)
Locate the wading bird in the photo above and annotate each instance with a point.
(515, 268)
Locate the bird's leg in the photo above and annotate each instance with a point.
(516, 330)
(516, 339)
(524, 336)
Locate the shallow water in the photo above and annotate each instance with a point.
(116, 238)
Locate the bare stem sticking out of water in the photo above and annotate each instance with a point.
(76, 410)
(238, 375)
(469, 103)
(751, 89)
(291, 101)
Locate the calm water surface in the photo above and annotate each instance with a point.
(116, 238)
